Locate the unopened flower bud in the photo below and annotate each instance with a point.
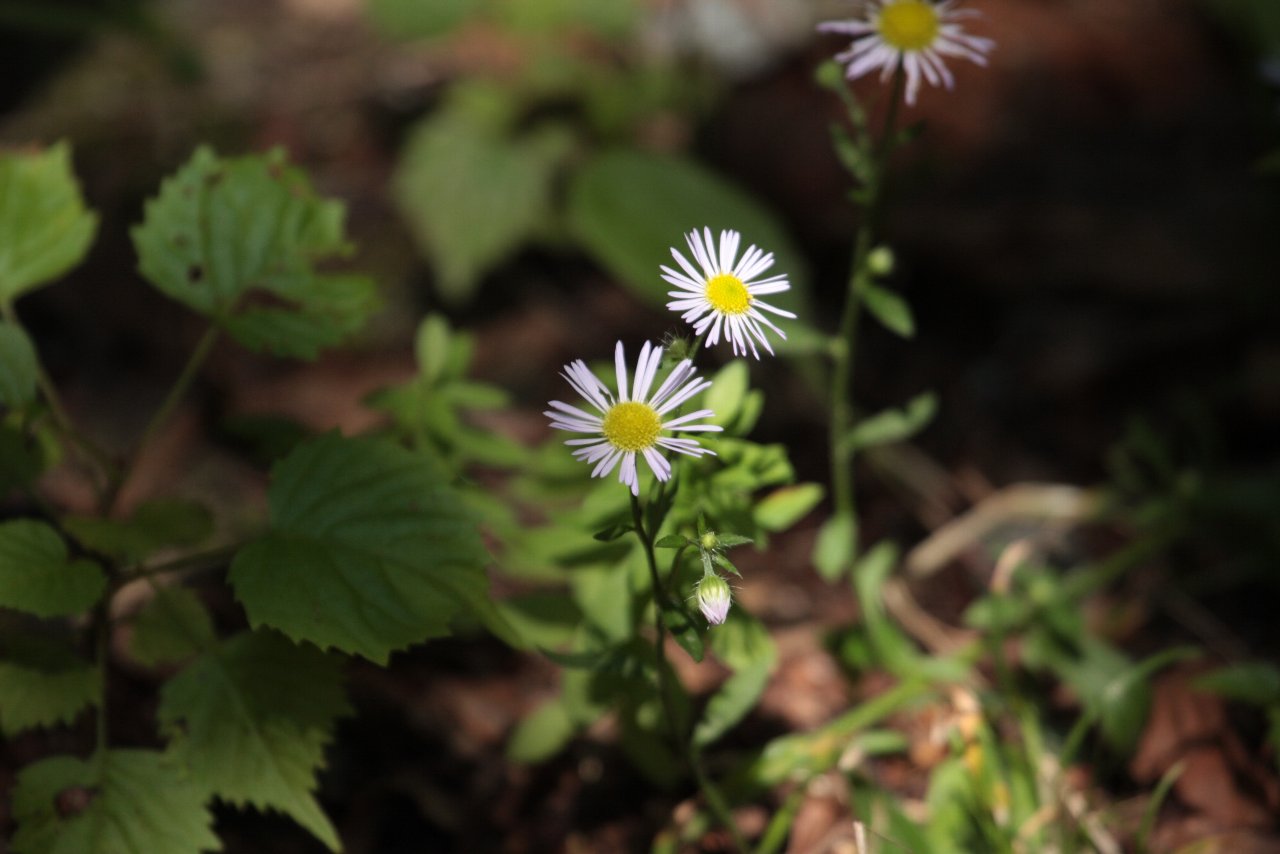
(714, 598)
(709, 541)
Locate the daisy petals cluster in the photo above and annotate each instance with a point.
(632, 421)
(916, 34)
(720, 295)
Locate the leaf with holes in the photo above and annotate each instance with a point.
(369, 550)
(113, 802)
(249, 721)
(238, 240)
(45, 229)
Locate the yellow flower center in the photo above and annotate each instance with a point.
(631, 426)
(909, 24)
(727, 294)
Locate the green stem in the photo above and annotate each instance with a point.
(847, 343)
(715, 800)
(180, 387)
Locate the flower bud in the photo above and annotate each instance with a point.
(709, 541)
(714, 598)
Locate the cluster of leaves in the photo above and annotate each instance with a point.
(550, 154)
(367, 547)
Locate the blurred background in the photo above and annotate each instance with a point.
(1088, 231)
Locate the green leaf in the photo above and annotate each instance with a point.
(114, 802)
(152, 526)
(369, 550)
(432, 347)
(783, 507)
(672, 541)
(890, 309)
(238, 240)
(471, 193)
(22, 457)
(629, 209)
(36, 575)
(685, 630)
(743, 642)
(893, 425)
(174, 626)
(731, 703)
(541, 734)
(543, 620)
(415, 19)
(18, 366)
(45, 229)
(835, 546)
(250, 721)
(36, 697)
(729, 541)
(1254, 682)
(728, 392)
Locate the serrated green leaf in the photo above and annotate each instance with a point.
(152, 526)
(174, 626)
(783, 507)
(45, 229)
(18, 366)
(36, 575)
(629, 209)
(893, 425)
(238, 239)
(369, 550)
(1254, 682)
(35, 697)
(731, 703)
(112, 803)
(890, 309)
(250, 721)
(835, 546)
(472, 194)
(541, 734)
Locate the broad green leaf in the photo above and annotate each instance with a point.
(174, 626)
(835, 547)
(893, 425)
(416, 19)
(238, 240)
(34, 697)
(1126, 698)
(890, 309)
(152, 526)
(45, 229)
(250, 720)
(630, 209)
(541, 734)
(18, 366)
(37, 576)
(728, 392)
(783, 507)
(472, 194)
(117, 802)
(731, 703)
(1253, 682)
(369, 550)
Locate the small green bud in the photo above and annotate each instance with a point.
(829, 75)
(714, 598)
(709, 541)
(880, 261)
(677, 348)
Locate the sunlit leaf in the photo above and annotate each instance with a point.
(541, 734)
(37, 576)
(732, 701)
(113, 802)
(238, 240)
(250, 720)
(45, 229)
(629, 209)
(787, 505)
(890, 309)
(893, 425)
(369, 550)
(835, 546)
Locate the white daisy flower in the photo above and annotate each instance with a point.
(632, 422)
(915, 33)
(724, 295)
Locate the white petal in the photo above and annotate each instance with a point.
(620, 364)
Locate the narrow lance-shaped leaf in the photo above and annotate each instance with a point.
(369, 550)
(113, 802)
(250, 720)
(238, 240)
(893, 425)
(45, 229)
